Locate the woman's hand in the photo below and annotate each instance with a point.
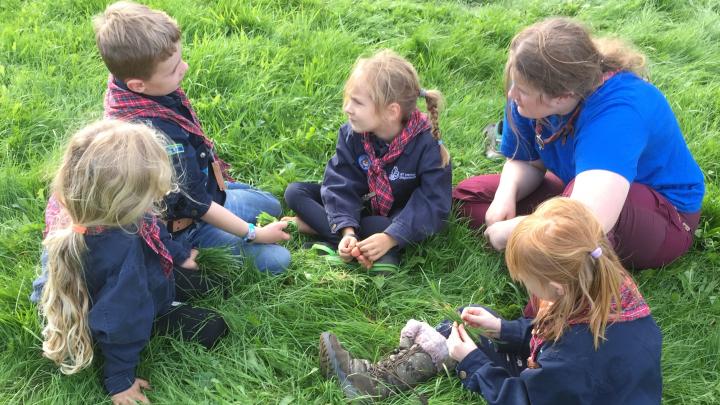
(499, 233)
(500, 209)
(132, 395)
(190, 263)
(459, 344)
(477, 317)
(375, 246)
(271, 233)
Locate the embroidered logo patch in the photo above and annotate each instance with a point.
(395, 174)
(364, 162)
(175, 149)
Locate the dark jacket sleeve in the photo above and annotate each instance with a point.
(428, 208)
(121, 320)
(191, 177)
(179, 249)
(344, 185)
(515, 335)
(556, 382)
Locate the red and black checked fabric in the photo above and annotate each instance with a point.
(125, 105)
(57, 218)
(378, 180)
(632, 307)
(150, 232)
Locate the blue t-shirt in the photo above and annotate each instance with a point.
(626, 127)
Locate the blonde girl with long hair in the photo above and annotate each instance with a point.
(582, 120)
(389, 182)
(109, 270)
(593, 341)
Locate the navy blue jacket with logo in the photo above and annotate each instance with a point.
(625, 369)
(191, 158)
(421, 187)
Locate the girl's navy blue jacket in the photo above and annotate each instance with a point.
(625, 369)
(421, 187)
(128, 290)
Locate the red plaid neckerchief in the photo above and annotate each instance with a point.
(378, 181)
(633, 306)
(57, 218)
(569, 127)
(150, 232)
(125, 105)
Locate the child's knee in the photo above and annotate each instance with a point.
(213, 330)
(293, 192)
(274, 259)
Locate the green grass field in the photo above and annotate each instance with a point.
(266, 79)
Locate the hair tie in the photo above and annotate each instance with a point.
(596, 253)
(423, 93)
(79, 229)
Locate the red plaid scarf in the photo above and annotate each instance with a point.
(125, 105)
(378, 181)
(57, 218)
(632, 306)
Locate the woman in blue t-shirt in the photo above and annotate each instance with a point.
(582, 121)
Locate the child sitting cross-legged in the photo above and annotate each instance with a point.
(110, 277)
(593, 340)
(389, 183)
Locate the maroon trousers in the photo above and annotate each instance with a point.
(650, 232)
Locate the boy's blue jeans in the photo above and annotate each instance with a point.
(247, 203)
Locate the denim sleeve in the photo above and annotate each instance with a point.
(428, 208)
(193, 200)
(343, 185)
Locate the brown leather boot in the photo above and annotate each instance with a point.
(405, 368)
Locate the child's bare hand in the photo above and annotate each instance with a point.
(459, 343)
(272, 233)
(190, 263)
(477, 317)
(345, 247)
(375, 246)
(132, 395)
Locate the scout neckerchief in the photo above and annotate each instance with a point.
(56, 218)
(569, 127)
(129, 106)
(378, 181)
(632, 307)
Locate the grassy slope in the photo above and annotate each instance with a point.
(266, 79)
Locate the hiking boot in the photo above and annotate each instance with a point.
(403, 369)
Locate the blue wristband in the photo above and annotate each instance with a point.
(250, 236)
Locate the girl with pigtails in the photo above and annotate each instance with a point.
(593, 340)
(389, 182)
(110, 275)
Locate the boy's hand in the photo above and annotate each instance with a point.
(190, 263)
(375, 246)
(345, 247)
(132, 395)
(271, 233)
(477, 317)
(459, 344)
